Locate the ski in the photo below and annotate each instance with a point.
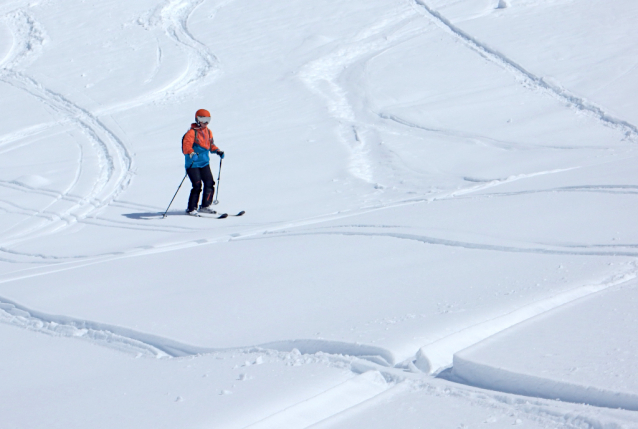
(213, 216)
(222, 215)
(208, 215)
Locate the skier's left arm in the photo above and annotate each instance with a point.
(215, 149)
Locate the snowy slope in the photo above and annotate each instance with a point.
(570, 354)
(419, 177)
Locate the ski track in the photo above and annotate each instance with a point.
(526, 77)
(450, 133)
(484, 376)
(131, 341)
(23, 134)
(545, 412)
(158, 64)
(309, 412)
(462, 244)
(17, 186)
(439, 355)
(203, 67)
(172, 17)
(115, 159)
(110, 223)
(260, 231)
(380, 372)
(322, 77)
(592, 189)
(327, 76)
(116, 170)
(497, 182)
(501, 144)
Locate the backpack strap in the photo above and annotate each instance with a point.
(194, 140)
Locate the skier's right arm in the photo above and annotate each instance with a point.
(187, 142)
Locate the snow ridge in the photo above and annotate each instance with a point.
(441, 354)
(110, 336)
(131, 341)
(528, 78)
(377, 355)
(28, 39)
(503, 380)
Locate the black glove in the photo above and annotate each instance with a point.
(220, 153)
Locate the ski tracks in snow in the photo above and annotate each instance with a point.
(115, 158)
(373, 379)
(438, 355)
(328, 404)
(324, 76)
(335, 77)
(524, 76)
(131, 341)
(203, 67)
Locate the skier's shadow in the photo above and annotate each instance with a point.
(147, 216)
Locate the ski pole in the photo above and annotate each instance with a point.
(216, 201)
(178, 188)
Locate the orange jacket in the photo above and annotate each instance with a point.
(204, 140)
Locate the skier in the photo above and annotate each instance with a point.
(196, 144)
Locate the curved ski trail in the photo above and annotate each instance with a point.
(322, 77)
(115, 159)
(526, 77)
(116, 164)
(203, 67)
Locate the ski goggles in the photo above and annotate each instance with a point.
(203, 119)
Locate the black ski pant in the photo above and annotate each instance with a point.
(197, 176)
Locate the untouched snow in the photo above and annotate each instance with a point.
(440, 216)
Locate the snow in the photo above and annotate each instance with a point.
(570, 354)
(439, 228)
(348, 394)
(63, 382)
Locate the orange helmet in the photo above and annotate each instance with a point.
(200, 114)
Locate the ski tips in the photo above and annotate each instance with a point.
(222, 216)
(241, 213)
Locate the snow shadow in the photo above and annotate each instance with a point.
(150, 215)
(502, 380)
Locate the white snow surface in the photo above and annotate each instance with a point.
(569, 353)
(440, 205)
